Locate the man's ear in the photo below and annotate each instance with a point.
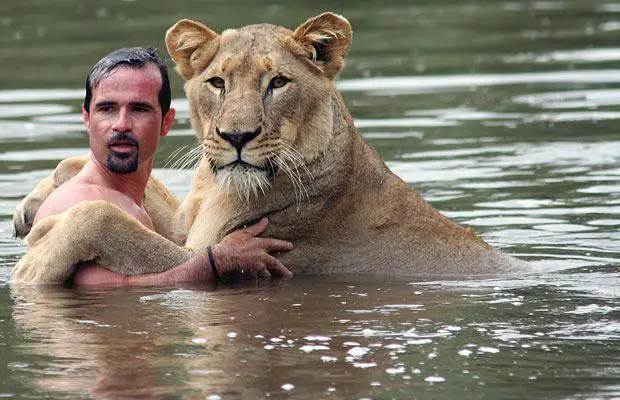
(166, 123)
(192, 46)
(326, 38)
(86, 117)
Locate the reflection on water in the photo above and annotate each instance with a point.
(312, 338)
(504, 115)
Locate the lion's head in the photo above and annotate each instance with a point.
(260, 95)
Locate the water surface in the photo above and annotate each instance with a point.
(503, 114)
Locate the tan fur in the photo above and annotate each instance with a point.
(24, 213)
(331, 195)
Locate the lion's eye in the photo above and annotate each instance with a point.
(279, 81)
(216, 82)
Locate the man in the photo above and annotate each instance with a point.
(126, 110)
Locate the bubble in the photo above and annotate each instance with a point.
(358, 351)
(434, 379)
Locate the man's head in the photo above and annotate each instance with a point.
(127, 108)
(133, 57)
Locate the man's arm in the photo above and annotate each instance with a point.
(240, 250)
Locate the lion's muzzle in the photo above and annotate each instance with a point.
(238, 139)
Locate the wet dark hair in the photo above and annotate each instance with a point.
(133, 57)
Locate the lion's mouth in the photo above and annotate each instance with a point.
(269, 167)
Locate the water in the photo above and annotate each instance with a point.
(504, 115)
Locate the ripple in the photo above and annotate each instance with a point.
(573, 56)
(492, 350)
(19, 184)
(517, 204)
(434, 379)
(605, 222)
(28, 95)
(443, 171)
(12, 130)
(506, 221)
(358, 352)
(571, 99)
(42, 155)
(610, 26)
(565, 228)
(74, 118)
(593, 309)
(465, 114)
(576, 116)
(309, 348)
(599, 330)
(29, 110)
(402, 123)
(391, 135)
(600, 189)
(400, 85)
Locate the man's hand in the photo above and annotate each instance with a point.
(242, 251)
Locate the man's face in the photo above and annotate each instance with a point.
(124, 122)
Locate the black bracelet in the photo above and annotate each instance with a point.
(212, 262)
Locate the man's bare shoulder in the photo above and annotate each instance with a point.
(67, 195)
(77, 190)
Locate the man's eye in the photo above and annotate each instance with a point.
(105, 109)
(216, 82)
(279, 81)
(140, 109)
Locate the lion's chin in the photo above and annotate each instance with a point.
(244, 181)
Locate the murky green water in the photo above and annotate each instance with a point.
(503, 114)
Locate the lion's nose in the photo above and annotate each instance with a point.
(238, 139)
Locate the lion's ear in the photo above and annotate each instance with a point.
(192, 46)
(327, 38)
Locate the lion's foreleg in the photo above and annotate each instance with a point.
(127, 247)
(24, 213)
(161, 205)
(94, 231)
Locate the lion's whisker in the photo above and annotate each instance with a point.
(197, 156)
(189, 158)
(296, 162)
(171, 157)
(245, 183)
(282, 164)
(298, 157)
(181, 159)
(195, 159)
(293, 174)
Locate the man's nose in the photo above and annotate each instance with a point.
(122, 123)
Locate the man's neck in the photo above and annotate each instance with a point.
(132, 185)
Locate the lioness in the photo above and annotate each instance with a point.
(277, 141)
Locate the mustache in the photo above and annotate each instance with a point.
(123, 137)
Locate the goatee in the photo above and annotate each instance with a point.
(122, 162)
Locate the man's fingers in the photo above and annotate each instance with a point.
(264, 273)
(276, 244)
(278, 269)
(258, 227)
